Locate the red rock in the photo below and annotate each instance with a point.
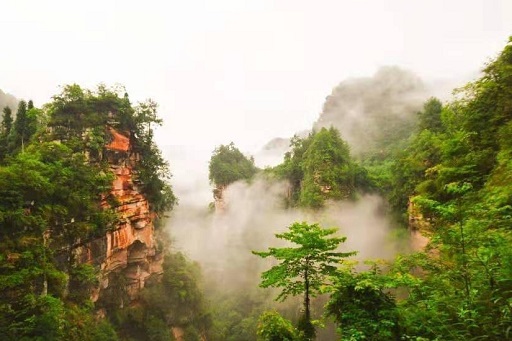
(130, 247)
(119, 142)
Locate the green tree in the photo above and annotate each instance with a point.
(303, 269)
(7, 121)
(228, 165)
(153, 170)
(291, 168)
(273, 327)
(5, 131)
(319, 168)
(21, 126)
(362, 306)
(430, 117)
(328, 170)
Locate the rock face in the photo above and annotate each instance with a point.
(218, 196)
(417, 226)
(128, 251)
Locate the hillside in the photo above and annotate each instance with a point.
(82, 195)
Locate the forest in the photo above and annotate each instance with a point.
(446, 174)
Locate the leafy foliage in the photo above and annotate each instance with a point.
(456, 169)
(319, 168)
(362, 306)
(53, 183)
(80, 118)
(273, 327)
(303, 269)
(228, 165)
(175, 300)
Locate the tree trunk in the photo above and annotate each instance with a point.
(307, 312)
(305, 324)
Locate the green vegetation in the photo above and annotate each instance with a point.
(174, 301)
(362, 305)
(303, 269)
(77, 113)
(228, 165)
(464, 193)
(49, 198)
(452, 171)
(54, 176)
(456, 170)
(273, 327)
(319, 168)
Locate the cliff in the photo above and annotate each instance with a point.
(129, 250)
(417, 226)
(218, 196)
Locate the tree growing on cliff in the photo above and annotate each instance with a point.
(328, 170)
(77, 112)
(228, 165)
(303, 269)
(319, 167)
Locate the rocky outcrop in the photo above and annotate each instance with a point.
(418, 225)
(218, 196)
(129, 250)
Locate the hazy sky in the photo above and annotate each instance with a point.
(235, 70)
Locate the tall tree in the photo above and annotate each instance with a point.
(22, 126)
(5, 130)
(430, 117)
(7, 121)
(303, 269)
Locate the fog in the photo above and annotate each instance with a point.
(364, 109)
(254, 212)
(368, 111)
(256, 73)
(7, 100)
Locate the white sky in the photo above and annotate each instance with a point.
(235, 70)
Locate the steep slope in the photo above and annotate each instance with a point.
(79, 203)
(7, 100)
(129, 249)
(370, 113)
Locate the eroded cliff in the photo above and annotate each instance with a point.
(127, 255)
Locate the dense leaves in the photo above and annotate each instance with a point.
(456, 173)
(273, 327)
(228, 165)
(303, 269)
(319, 168)
(174, 301)
(80, 119)
(362, 306)
(55, 186)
